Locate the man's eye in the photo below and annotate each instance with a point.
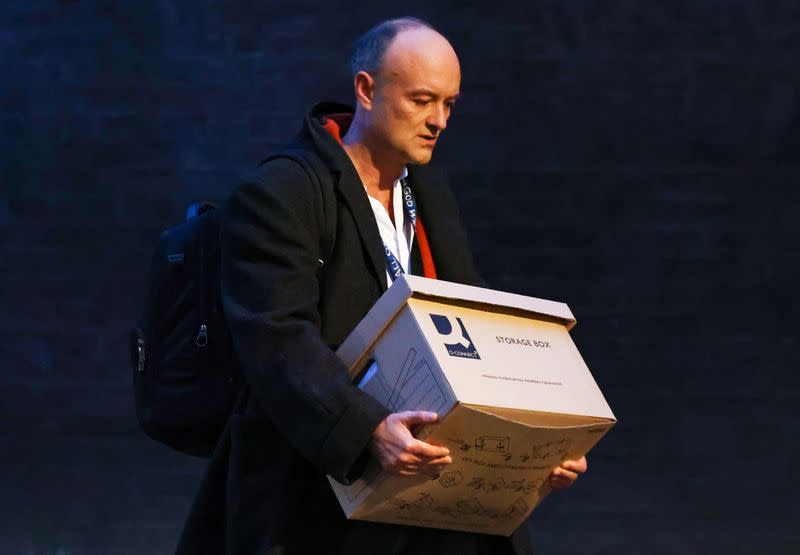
(421, 101)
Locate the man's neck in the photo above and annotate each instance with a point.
(377, 171)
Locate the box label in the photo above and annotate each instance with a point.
(455, 337)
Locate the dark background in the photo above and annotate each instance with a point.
(637, 160)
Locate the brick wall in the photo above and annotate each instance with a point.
(636, 160)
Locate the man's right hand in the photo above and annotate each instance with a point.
(400, 453)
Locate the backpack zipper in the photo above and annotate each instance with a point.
(202, 336)
(140, 354)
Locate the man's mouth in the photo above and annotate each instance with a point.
(429, 139)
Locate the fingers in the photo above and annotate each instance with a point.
(436, 464)
(578, 466)
(562, 473)
(559, 482)
(411, 417)
(401, 453)
(441, 461)
(570, 469)
(431, 468)
(432, 471)
(426, 450)
(407, 459)
(561, 478)
(566, 474)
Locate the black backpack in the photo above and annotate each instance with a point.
(186, 375)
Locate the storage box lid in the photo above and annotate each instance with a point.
(407, 286)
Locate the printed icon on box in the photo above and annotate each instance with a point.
(424, 502)
(468, 506)
(455, 336)
(450, 479)
(519, 507)
(492, 444)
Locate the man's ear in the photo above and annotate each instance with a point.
(364, 85)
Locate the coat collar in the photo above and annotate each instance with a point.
(424, 181)
(348, 184)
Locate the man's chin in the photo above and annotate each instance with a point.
(421, 157)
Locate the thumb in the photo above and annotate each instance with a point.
(409, 418)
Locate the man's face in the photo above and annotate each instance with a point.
(414, 94)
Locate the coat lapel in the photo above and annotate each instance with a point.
(352, 190)
(355, 197)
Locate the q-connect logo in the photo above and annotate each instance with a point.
(456, 338)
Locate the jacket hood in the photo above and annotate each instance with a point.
(322, 129)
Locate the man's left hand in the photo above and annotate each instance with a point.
(566, 474)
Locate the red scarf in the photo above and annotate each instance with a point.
(334, 123)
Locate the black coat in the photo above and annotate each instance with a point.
(290, 302)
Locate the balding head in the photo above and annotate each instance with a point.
(372, 45)
(405, 88)
(421, 53)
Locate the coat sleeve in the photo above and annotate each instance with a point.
(271, 246)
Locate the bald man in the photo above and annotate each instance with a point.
(307, 249)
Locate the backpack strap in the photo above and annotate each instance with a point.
(320, 175)
(207, 264)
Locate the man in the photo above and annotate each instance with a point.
(303, 260)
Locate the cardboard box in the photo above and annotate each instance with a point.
(513, 394)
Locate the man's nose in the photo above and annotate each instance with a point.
(438, 118)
